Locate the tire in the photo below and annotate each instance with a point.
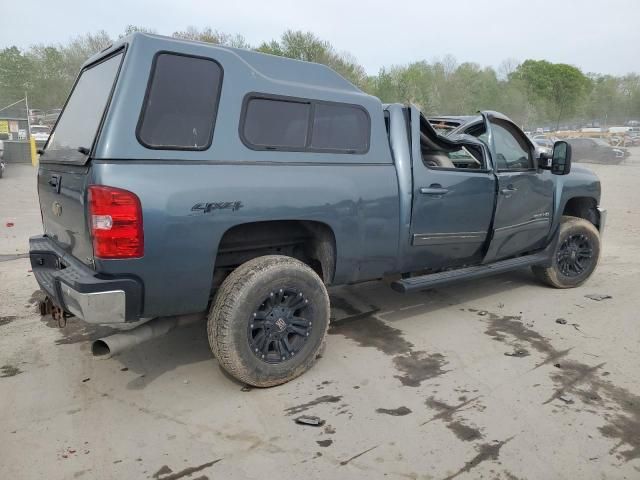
(583, 235)
(269, 320)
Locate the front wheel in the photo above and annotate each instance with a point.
(576, 254)
(269, 320)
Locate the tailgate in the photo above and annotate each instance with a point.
(63, 176)
(62, 202)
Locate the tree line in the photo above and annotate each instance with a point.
(533, 93)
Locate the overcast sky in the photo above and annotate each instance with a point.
(596, 35)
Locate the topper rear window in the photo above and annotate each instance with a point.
(180, 107)
(76, 129)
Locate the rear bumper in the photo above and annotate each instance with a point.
(80, 290)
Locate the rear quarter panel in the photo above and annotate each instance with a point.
(358, 202)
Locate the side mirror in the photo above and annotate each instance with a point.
(561, 159)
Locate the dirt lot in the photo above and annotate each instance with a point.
(476, 380)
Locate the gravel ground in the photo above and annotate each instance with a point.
(475, 380)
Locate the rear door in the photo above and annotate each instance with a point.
(525, 193)
(64, 173)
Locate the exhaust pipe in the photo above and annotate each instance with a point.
(114, 344)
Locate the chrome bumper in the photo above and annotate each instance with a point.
(95, 307)
(603, 220)
(79, 290)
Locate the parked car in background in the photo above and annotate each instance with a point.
(595, 150)
(543, 143)
(40, 133)
(51, 116)
(36, 116)
(621, 130)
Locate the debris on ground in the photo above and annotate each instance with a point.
(598, 297)
(566, 400)
(86, 380)
(330, 430)
(577, 327)
(561, 321)
(310, 420)
(482, 313)
(517, 353)
(67, 452)
(557, 365)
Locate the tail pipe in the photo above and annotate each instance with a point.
(157, 327)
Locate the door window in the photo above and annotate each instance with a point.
(511, 149)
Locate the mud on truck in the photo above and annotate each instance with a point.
(185, 177)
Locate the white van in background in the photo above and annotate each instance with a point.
(619, 129)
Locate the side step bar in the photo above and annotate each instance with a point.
(412, 284)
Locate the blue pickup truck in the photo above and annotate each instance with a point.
(185, 177)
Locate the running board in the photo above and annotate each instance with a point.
(412, 284)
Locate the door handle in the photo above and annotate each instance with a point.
(55, 182)
(509, 190)
(434, 189)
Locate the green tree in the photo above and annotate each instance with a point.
(212, 36)
(15, 75)
(559, 86)
(532, 93)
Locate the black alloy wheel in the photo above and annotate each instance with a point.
(278, 328)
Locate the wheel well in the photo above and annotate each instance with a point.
(583, 207)
(310, 242)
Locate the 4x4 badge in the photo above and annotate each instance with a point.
(56, 208)
(211, 206)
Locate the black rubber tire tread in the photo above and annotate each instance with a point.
(550, 275)
(225, 323)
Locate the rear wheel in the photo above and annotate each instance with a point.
(576, 255)
(269, 320)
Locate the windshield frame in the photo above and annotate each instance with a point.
(122, 50)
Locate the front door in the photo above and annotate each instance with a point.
(453, 201)
(525, 193)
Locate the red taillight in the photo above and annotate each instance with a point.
(115, 218)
